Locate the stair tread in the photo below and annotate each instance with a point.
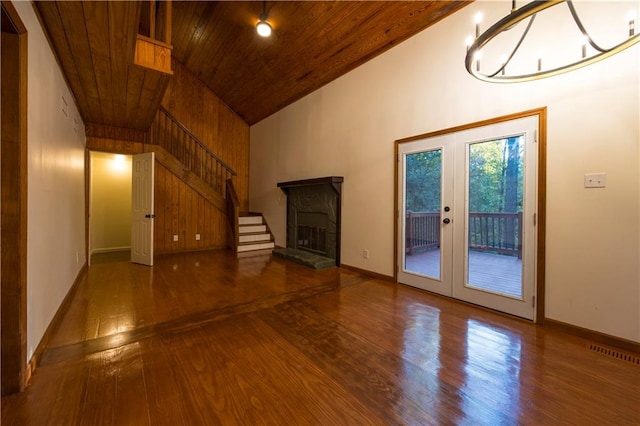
(252, 231)
(248, 243)
(254, 220)
(256, 246)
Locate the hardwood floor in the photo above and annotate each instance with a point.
(205, 338)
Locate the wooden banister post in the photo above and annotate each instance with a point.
(152, 19)
(167, 23)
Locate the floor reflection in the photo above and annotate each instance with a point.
(481, 389)
(492, 370)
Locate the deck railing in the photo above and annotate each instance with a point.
(173, 136)
(491, 232)
(423, 231)
(496, 232)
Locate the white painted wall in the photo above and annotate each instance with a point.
(348, 128)
(110, 206)
(56, 201)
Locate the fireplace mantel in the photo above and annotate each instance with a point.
(334, 181)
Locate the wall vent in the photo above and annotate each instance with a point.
(614, 353)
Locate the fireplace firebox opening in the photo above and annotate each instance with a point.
(313, 221)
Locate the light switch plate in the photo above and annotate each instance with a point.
(595, 180)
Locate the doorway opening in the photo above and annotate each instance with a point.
(121, 207)
(470, 219)
(13, 201)
(110, 205)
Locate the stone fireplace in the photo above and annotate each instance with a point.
(313, 221)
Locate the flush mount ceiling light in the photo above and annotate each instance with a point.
(536, 66)
(263, 27)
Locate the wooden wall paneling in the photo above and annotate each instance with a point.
(166, 207)
(189, 234)
(193, 218)
(111, 144)
(213, 122)
(206, 219)
(165, 225)
(159, 203)
(173, 193)
(111, 132)
(181, 210)
(197, 227)
(202, 224)
(96, 16)
(114, 146)
(182, 218)
(175, 209)
(210, 214)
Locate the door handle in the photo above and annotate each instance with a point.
(446, 220)
(150, 216)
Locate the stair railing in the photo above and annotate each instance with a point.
(172, 135)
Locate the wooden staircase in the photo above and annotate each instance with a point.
(186, 156)
(254, 235)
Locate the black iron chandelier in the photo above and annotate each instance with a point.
(537, 70)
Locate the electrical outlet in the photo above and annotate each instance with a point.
(197, 237)
(595, 180)
(175, 237)
(365, 254)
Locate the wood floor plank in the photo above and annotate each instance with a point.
(206, 338)
(371, 372)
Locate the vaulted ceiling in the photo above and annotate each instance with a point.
(313, 43)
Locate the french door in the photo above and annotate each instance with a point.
(467, 215)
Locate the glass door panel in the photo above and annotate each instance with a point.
(494, 216)
(425, 179)
(423, 195)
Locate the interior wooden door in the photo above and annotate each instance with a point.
(142, 209)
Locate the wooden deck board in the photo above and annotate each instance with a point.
(493, 272)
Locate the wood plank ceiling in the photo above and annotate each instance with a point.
(314, 42)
